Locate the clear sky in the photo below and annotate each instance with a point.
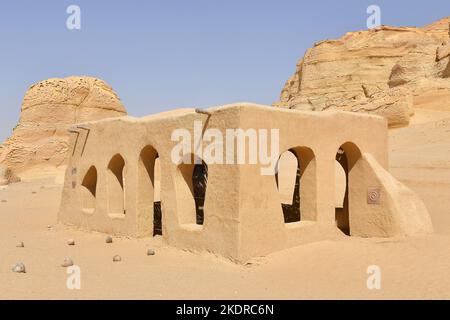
(160, 55)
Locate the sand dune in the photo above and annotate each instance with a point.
(419, 157)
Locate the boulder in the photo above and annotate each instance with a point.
(49, 109)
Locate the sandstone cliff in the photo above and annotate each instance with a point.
(49, 109)
(388, 71)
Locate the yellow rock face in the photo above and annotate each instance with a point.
(387, 71)
(49, 109)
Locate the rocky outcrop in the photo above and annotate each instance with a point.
(49, 109)
(387, 71)
(7, 176)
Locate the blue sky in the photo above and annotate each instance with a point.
(160, 55)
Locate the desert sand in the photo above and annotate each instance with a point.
(411, 268)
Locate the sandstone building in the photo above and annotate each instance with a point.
(121, 180)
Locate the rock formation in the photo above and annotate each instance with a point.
(49, 109)
(387, 71)
(7, 176)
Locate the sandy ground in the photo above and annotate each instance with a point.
(411, 268)
(420, 158)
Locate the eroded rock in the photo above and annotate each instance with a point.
(68, 262)
(386, 71)
(49, 109)
(19, 267)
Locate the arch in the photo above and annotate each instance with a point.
(191, 191)
(149, 188)
(340, 185)
(296, 184)
(347, 156)
(200, 182)
(115, 186)
(288, 184)
(89, 190)
(157, 204)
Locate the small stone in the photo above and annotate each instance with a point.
(117, 258)
(4, 201)
(71, 242)
(150, 252)
(20, 244)
(19, 267)
(109, 239)
(67, 263)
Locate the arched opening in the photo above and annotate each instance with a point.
(199, 182)
(296, 183)
(340, 185)
(157, 206)
(346, 157)
(288, 184)
(191, 192)
(115, 186)
(89, 190)
(149, 198)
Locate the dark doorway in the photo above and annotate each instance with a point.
(342, 217)
(157, 211)
(199, 182)
(149, 200)
(157, 219)
(289, 171)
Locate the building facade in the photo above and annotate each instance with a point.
(122, 180)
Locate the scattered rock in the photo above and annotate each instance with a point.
(4, 201)
(19, 267)
(117, 258)
(150, 252)
(67, 263)
(71, 242)
(20, 244)
(108, 239)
